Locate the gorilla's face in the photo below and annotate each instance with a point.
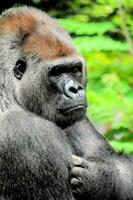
(48, 74)
(54, 90)
(66, 84)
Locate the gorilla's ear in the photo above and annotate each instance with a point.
(20, 68)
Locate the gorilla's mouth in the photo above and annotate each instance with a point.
(76, 108)
(73, 109)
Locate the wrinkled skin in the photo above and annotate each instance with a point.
(48, 147)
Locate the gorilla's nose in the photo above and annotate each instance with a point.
(73, 89)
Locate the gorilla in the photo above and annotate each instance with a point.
(49, 150)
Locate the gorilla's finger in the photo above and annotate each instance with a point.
(77, 172)
(78, 161)
(76, 182)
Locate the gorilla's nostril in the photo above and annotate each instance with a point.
(80, 88)
(73, 90)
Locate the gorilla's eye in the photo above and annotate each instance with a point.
(20, 68)
(76, 71)
(55, 72)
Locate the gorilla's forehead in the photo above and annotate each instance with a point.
(40, 33)
(48, 44)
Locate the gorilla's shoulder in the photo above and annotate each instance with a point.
(17, 119)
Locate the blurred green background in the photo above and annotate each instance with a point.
(102, 31)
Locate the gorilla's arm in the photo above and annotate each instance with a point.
(101, 172)
(87, 141)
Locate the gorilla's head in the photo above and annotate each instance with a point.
(39, 66)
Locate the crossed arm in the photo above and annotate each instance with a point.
(98, 172)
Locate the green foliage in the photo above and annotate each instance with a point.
(79, 28)
(36, 1)
(126, 147)
(99, 43)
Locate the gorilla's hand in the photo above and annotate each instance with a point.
(89, 177)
